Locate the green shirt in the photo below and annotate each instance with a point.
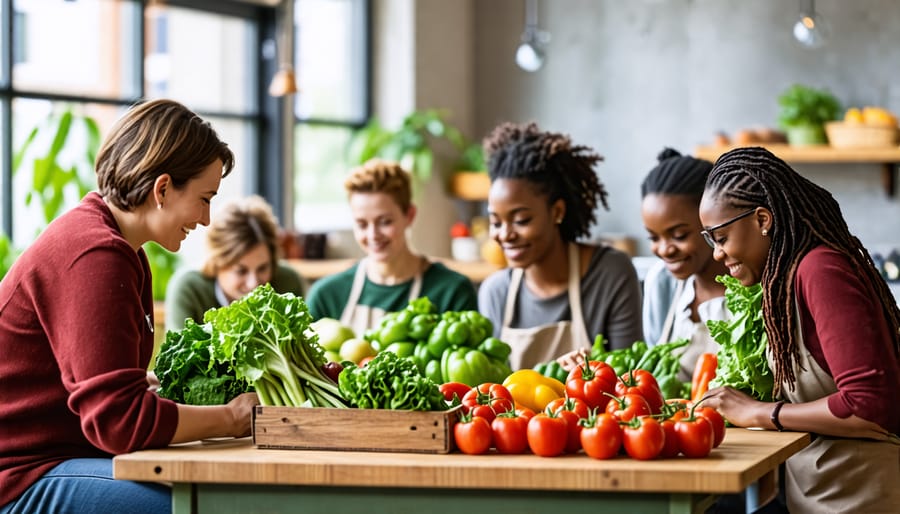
(191, 293)
(447, 290)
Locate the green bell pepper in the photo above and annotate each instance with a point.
(495, 348)
(401, 348)
(437, 339)
(422, 325)
(469, 366)
(393, 331)
(421, 357)
(433, 371)
(458, 333)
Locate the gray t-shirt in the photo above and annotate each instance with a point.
(610, 299)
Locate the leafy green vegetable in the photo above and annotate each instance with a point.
(390, 382)
(187, 372)
(267, 338)
(742, 342)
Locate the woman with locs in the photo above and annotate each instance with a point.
(833, 329)
(558, 294)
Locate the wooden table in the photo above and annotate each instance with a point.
(232, 476)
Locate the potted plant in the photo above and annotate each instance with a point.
(59, 154)
(804, 111)
(470, 181)
(410, 144)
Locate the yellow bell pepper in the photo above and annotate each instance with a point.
(533, 390)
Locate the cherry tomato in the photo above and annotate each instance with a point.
(472, 435)
(487, 400)
(572, 410)
(451, 389)
(716, 420)
(547, 434)
(695, 436)
(642, 382)
(601, 437)
(670, 445)
(509, 432)
(628, 407)
(643, 438)
(590, 381)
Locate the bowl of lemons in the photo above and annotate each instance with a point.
(868, 127)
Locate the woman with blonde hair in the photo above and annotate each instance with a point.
(391, 274)
(243, 253)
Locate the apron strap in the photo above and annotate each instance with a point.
(670, 316)
(515, 281)
(416, 288)
(578, 326)
(359, 280)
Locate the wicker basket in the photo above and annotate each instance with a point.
(856, 135)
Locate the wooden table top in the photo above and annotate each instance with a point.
(744, 457)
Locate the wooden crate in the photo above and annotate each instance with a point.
(374, 430)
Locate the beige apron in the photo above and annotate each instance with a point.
(531, 346)
(701, 342)
(363, 317)
(836, 474)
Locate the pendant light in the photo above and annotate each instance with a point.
(284, 82)
(530, 54)
(811, 30)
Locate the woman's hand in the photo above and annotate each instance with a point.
(573, 359)
(240, 409)
(738, 408)
(152, 381)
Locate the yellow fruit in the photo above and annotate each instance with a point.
(853, 115)
(492, 253)
(878, 116)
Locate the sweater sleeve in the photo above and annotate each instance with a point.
(850, 333)
(616, 293)
(97, 328)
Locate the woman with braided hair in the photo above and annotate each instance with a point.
(680, 291)
(832, 327)
(558, 294)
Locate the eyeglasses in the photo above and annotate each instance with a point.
(708, 233)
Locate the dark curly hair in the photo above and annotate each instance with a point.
(555, 166)
(805, 216)
(677, 174)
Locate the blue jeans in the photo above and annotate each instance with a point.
(86, 486)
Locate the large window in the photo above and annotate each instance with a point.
(94, 58)
(332, 65)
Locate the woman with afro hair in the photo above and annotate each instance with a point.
(558, 294)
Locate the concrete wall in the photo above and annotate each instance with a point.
(629, 77)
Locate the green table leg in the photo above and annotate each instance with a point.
(247, 499)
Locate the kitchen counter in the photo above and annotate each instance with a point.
(232, 476)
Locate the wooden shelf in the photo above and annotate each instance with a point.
(887, 157)
(314, 269)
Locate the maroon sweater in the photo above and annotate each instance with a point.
(846, 332)
(76, 312)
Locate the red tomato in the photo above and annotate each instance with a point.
(509, 432)
(641, 382)
(628, 407)
(676, 409)
(487, 400)
(670, 446)
(459, 229)
(590, 381)
(572, 410)
(547, 434)
(716, 420)
(602, 437)
(524, 412)
(451, 389)
(695, 436)
(472, 435)
(365, 360)
(643, 438)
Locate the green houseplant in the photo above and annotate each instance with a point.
(411, 144)
(59, 154)
(804, 111)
